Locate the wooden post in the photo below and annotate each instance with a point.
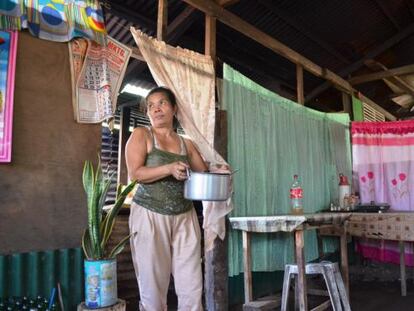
(210, 37)
(344, 257)
(162, 19)
(402, 269)
(300, 261)
(299, 84)
(248, 293)
(346, 103)
(215, 275)
(122, 177)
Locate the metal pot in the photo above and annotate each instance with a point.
(207, 186)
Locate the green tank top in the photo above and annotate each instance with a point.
(164, 196)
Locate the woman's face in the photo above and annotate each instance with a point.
(160, 110)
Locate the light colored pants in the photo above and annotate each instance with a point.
(165, 244)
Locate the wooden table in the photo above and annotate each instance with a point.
(296, 224)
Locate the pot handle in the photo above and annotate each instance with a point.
(235, 171)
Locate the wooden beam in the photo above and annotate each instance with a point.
(210, 37)
(224, 3)
(162, 19)
(397, 81)
(252, 32)
(400, 71)
(369, 55)
(299, 85)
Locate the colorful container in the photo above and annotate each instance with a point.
(100, 283)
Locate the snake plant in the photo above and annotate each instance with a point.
(100, 224)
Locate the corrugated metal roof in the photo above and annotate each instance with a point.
(334, 34)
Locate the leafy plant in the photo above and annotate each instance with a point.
(100, 225)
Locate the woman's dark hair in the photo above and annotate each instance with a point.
(166, 91)
(171, 98)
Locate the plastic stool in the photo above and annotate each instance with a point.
(333, 280)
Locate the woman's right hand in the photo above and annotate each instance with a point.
(179, 170)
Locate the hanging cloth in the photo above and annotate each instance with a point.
(55, 20)
(191, 77)
(383, 168)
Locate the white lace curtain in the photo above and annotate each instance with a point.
(191, 77)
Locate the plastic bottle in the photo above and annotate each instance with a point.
(296, 195)
(344, 191)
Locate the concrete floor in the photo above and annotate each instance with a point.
(366, 296)
(381, 296)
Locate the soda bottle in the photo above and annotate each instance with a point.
(296, 195)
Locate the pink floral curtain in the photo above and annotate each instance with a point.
(383, 169)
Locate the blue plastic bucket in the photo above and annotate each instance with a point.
(100, 283)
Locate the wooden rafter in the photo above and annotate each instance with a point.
(252, 32)
(383, 74)
(384, 46)
(397, 81)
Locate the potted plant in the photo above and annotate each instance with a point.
(100, 261)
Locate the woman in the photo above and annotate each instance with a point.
(167, 238)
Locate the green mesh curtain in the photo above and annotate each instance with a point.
(270, 139)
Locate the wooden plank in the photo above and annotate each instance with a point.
(299, 85)
(266, 40)
(210, 37)
(400, 71)
(300, 261)
(402, 269)
(162, 19)
(247, 265)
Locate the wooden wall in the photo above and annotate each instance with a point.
(42, 202)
